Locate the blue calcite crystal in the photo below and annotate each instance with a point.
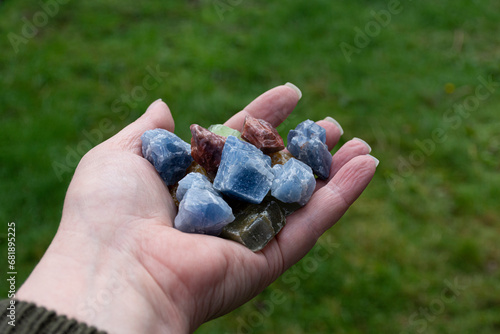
(308, 144)
(309, 129)
(244, 172)
(293, 182)
(196, 181)
(202, 209)
(170, 155)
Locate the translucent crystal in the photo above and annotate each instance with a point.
(173, 190)
(256, 225)
(287, 208)
(293, 182)
(308, 144)
(224, 131)
(170, 155)
(244, 172)
(196, 168)
(280, 157)
(202, 209)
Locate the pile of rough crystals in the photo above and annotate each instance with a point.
(240, 186)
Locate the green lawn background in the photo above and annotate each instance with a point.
(409, 82)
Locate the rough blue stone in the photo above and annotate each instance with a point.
(308, 144)
(244, 172)
(309, 129)
(202, 208)
(203, 211)
(293, 182)
(170, 155)
(193, 180)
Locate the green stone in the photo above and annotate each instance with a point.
(224, 131)
(255, 225)
(288, 208)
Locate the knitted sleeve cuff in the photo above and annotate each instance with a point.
(22, 317)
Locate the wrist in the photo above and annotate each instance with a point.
(100, 286)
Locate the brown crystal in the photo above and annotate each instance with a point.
(262, 135)
(196, 168)
(173, 190)
(206, 148)
(280, 158)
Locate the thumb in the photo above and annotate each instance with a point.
(156, 116)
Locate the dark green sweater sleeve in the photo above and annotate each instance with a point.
(29, 318)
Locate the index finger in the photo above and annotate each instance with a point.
(273, 106)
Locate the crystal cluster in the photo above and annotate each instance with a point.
(308, 144)
(244, 172)
(202, 209)
(240, 186)
(170, 155)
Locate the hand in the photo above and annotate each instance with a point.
(117, 263)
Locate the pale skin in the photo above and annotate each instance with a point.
(117, 263)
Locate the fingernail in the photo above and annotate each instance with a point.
(376, 160)
(295, 88)
(154, 102)
(361, 140)
(332, 120)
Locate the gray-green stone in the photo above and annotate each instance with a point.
(255, 225)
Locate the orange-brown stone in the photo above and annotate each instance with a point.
(262, 135)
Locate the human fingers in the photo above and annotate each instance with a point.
(156, 116)
(348, 151)
(333, 131)
(273, 106)
(325, 208)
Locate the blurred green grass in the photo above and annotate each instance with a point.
(421, 224)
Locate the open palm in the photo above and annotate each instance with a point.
(116, 237)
